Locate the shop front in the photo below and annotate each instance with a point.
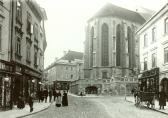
(6, 77)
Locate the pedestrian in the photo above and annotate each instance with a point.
(40, 95)
(64, 99)
(54, 94)
(50, 95)
(162, 99)
(30, 102)
(45, 92)
(58, 99)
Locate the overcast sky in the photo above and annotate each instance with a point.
(65, 27)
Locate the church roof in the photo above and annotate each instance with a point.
(112, 10)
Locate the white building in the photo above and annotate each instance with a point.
(153, 38)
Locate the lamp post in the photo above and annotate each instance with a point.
(6, 79)
(125, 86)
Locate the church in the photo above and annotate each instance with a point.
(111, 55)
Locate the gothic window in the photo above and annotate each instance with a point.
(105, 47)
(118, 48)
(129, 37)
(91, 46)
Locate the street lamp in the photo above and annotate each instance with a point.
(125, 86)
(6, 79)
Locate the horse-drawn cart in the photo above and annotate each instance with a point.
(148, 87)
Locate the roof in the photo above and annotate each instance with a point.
(145, 13)
(153, 18)
(72, 55)
(112, 10)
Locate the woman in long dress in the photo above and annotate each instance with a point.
(64, 99)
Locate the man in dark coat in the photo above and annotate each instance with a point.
(50, 95)
(58, 99)
(162, 99)
(54, 94)
(30, 101)
(45, 92)
(64, 99)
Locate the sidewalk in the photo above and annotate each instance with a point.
(165, 111)
(17, 113)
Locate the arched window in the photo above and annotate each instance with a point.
(91, 46)
(129, 37)
(118, 45)
(105, 47)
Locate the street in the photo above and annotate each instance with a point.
(97, 107)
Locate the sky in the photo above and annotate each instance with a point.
(65, 27)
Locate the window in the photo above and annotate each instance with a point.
(104, 75)
(118, 42)
(18, 46)
(0, 38)
(105, 47)
(91, 46)
(71, 68)
(28, 52)
(153, 60)
(145, 63)
(166, 25)
(35, 32)
(71, 76)
(154, 34)
(66, 68)
(35, 56)
(18, 11)
(166, 55)
(29, 18)
(145, 40)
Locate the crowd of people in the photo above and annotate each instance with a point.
(59, 97)
(54, 95)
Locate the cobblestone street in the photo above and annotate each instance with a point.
(97, 107)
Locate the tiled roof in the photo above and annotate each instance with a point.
(72, 55)
(112, 10)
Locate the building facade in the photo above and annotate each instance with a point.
(111, 48)
(6, 68)
(22, 46)
(154, 46)
(28, 44)
(65, 70)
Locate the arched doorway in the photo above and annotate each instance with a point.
(164, 85)
(91, 90)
